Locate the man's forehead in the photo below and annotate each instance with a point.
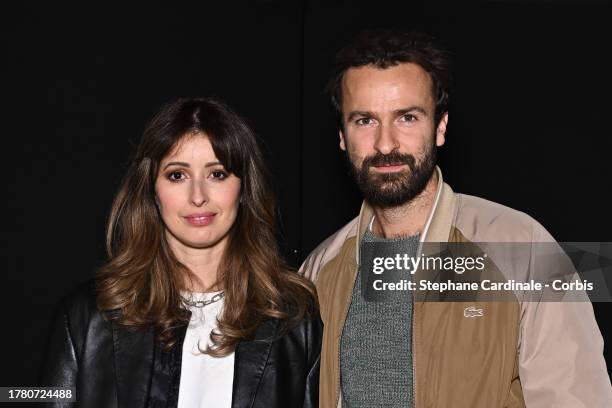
(392, 87)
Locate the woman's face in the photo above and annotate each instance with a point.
(197, 198)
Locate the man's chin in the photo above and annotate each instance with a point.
(385, 182)
(390, 193)
(380, 180)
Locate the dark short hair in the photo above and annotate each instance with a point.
(384, 48)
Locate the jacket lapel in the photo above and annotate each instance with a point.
(439, 221)
(133, 364)
(249, 363)
(437, 229)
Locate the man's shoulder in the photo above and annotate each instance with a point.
(328, 249)
(483, 220)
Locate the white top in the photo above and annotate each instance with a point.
(205, 381)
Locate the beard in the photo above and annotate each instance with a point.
(387, 190)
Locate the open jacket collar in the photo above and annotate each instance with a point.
(133, 353)
(250, 360)
(439, 221)
(149, 377)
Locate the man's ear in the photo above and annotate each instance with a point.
(441, 130)
(342, 143)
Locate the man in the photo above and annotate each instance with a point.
(391, 90)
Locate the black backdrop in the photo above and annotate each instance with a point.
(528, 121)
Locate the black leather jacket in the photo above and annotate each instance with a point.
(112, 366)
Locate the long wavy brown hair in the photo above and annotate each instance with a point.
(142, 278)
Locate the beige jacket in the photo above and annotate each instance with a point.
(534, 354)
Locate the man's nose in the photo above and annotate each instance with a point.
(386, 139)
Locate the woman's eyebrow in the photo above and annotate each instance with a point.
(185, 164)
(182, 164)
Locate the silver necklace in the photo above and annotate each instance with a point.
(203, 303)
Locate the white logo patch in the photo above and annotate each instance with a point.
(473, 312)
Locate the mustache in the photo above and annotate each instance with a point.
(393, 158)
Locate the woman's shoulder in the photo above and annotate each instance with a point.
(298, 336)
(81, 298)
(78, 308)
(76, 318)
(305, 323)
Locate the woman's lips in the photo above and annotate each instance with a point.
(200, 220)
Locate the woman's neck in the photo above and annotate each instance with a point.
(202, 262)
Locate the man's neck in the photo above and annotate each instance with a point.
(407, 219)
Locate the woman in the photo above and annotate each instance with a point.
(194, 307)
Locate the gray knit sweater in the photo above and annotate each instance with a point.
(375, 348)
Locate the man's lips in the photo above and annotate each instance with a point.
(200, 219)
(389, 168)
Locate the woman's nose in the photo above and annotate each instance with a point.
(199, 195)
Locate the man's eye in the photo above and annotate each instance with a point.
(408, 118)
(364, 121)
(175, 175)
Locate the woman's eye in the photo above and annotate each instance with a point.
(175, 176)
(218, 174)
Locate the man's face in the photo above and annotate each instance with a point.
(389, 132)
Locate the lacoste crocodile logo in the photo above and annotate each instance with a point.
(473, 312)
